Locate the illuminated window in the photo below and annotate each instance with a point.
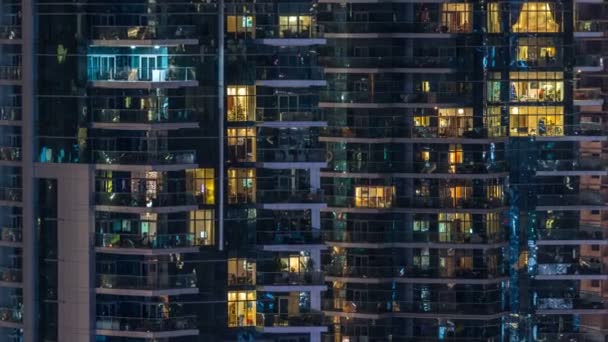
(295, 263)
(455, 156)
(241, 186)
(493, 17)
(201, 182)
(241, 144)
(492, 224)
(536, 120)
(240, 103)
(493, 122)
(537, 86)
(425, 86)
(536, 51)
(374, 196)
(457, 194)
(456, 17)
(537, 17)
(455, 227)
(241, 308)
(202, 226)
(294, 26)
(422, 225)
(241, 272)
(454, 122)
(241, 24)
(494, 191)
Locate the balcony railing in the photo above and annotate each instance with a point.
(278, 114)
(132, 74)
(158, 282)
(10, 194)
(289, 320)
(10, 113)
(141, 116)
(398, 130)
(479, 307)
(128, 199)
(587, 94)
(417, 202)
(583, 267)
(10, 72)
(589, 61)
(392, 62)
(396, 97)
(10, 274)
(418, 167)
(591, 26)
(112, 32)
(8, 314)
(140, 324)
(8, 153)
(160, 241)
(290, 196)
(289, 278)
(560, 303)
(288, 237)
(10, 32)
(289, 73)
(402, 237)
(10, 234)
(582, 233)
(144, 157)
(286, 32)
(291, 154)
(571, 165)
(393, 27)
(413, 272)
(582, 199)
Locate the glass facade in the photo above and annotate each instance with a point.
(291, 170)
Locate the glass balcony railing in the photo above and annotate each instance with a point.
(159, 282)
(289, 73)
(583, 199)
(582, 94)
(580, 267)
(396, 97)
(10, 274)
(394, 27)
(580, 233)
(290, 196)
(414, 272)
(12, 315)
(412, 237)
(160, 241)
(128, 199)
(479, 307)
(591, 26)
(10, 113)
(291, 154)
(398, 130)
(392, 62)
(141, 116)
(571, 165)
(589, 61)
(144, 157)
(132, 74)
(418, 202)
(286, 32)
(10, 194)
(289, 320)
(10, 72)
(8, 234)
(420, 167)
(111, 32)
(10, 32)
(288, 237)
(141, 324)
(10, 153)
(278, 114)
(289, 278)
(561, 303)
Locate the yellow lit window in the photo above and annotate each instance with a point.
(456, 17)
(492, 224)
(455, 227)
(454, 122)
(422, 121)
(241, 186)
(493, 17)
(240, 24)
(241, 308)
(240, 103)
(536, 120)
(457, 194)
(493, 122)
(426, 86)
(241, 144)
(241, 272)
(202, 226)
(537, 86)
(455, 156)
(201, 182)
(537, 17)
(374, 196)
(294, 26)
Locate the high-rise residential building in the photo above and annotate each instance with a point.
(303, 170)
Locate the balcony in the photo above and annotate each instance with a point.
(10, 33)
(421, 203)
(291, 157)
(10, 276)
(590, 29)
(414, 274)
(418, 168)
(11, 317)
(10, 74)
(144, 244)
(393, 29)
(589, 63)
(287, 32)
(586, 304)
(278, 118)
(159, 160)
(10, 237)
(132, 119)
(339, 99)
(285, 278)
(583, 201)
(588, 97)
(129, 77)
(419, 309)
(397, 132)
(159, 285)
(580, 269)
(290, 322)
(392, 62)
(419, 239)
(162, 35)
(571, 236)
(10, 154)
(571, 167)
(128, 202)
(138, 327)
(289, 76)
(10, 115)
(8, 195)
